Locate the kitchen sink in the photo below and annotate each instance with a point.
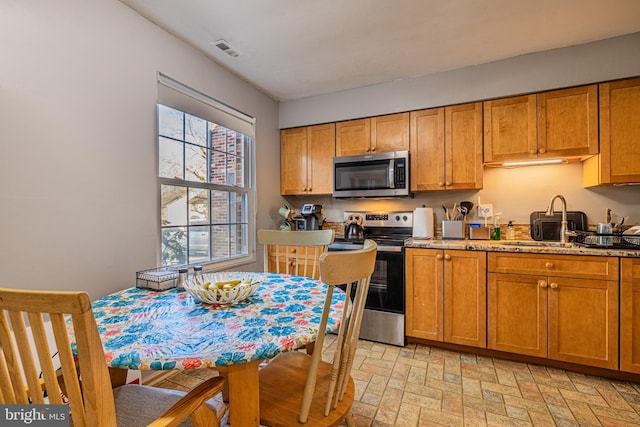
(538, 243)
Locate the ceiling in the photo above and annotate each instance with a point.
(297, 48)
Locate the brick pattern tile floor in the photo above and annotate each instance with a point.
(426, 386)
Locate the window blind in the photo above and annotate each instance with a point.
(176, 95)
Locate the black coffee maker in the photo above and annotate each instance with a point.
(313, 216)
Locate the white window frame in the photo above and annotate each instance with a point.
(181, 97)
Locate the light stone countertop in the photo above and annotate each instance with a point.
(521, 246)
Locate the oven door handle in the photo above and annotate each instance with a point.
(383, 248)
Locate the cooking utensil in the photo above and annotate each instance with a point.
(607, 216)
(468, 205)
(446, 213)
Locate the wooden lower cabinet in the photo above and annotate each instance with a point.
(446, 295)
(517, 314)
(552, 314)
(583, 321)
(630, 315)
(423, 278)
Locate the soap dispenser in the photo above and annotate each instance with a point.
(511, 232)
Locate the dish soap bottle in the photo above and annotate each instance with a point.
(496, 229)
(511, 232)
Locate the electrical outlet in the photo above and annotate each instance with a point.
(485, 211)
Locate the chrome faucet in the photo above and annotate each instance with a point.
(564, 232)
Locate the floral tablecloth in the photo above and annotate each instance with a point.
(144, 329)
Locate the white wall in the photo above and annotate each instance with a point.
(609, 59)
(79, 194)
(516, 192)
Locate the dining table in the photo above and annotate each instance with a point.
(144, 329)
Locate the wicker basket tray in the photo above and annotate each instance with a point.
(159, 279)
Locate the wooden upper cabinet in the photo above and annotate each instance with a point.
(321, 149)
(463, 147)
(510, 129)
(293, 161)
(446, 148)
(353, 137)
(619, 159)
(568, 122)
(427, 150)
(373, 135)
(306, 160)
(390, 133)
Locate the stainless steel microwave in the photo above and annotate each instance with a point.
(372, 175)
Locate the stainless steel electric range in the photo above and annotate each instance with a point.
(384, 314)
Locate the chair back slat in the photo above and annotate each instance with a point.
(341, 268)
(294, 252)
(26, 367)
(44, 352)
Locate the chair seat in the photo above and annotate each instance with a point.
(137, 405)
(282, 384)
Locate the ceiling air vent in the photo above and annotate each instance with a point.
(224, 46)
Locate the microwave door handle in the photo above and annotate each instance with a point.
(392, 175)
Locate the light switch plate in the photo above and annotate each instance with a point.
(485, 211)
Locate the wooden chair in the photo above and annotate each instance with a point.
(89, 392)
(298, 388)
(294, 252)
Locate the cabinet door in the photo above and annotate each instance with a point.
(465, 297)
(630, 315)
(583, 321)
(463, 147)
(620, 132)
(424, 293)
(568, 122)
(390, 133)
(427, 149)
(510, 131)
(353, 137)
(321, 148)
(293, 161)
(517, 314)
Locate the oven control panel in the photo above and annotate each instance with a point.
(385, 219)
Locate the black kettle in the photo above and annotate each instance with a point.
(354, 229)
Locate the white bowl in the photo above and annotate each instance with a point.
(209, 288)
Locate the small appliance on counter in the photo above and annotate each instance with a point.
(312, 217)
(353, 228)
(547, 228)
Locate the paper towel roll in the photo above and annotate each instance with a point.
(423, 222)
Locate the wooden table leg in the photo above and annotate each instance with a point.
(244, 396)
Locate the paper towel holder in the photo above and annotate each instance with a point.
(423, 223)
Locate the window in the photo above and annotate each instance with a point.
(205, 171)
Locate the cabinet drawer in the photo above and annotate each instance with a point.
(594, 267)
(297, 252)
